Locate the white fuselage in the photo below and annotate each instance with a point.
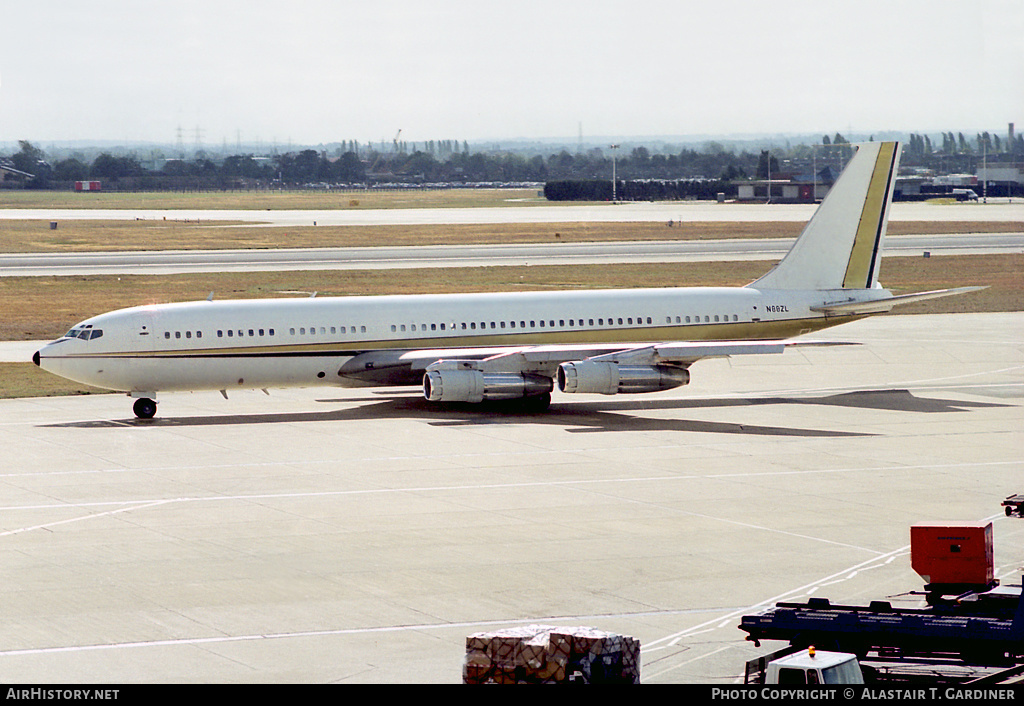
(353, 341)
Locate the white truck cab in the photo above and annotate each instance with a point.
(812, 666)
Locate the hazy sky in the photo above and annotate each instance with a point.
(309, 71)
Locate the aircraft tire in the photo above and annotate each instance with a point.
(536, 403)
(144, 408)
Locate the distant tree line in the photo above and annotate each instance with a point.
(958, 144)
(959, 153)
(446, 163)
(352, 164)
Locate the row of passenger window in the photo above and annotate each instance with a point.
(708, 318)
(550, 323)
(483, 325)
(255, 333)
(324, 330)
(464, 326)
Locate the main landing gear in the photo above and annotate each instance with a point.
(144, 408)
(535, 404)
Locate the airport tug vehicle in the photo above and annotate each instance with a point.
(971, 627)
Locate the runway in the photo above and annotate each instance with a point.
(363, 258)
(360, 536)
(539, 212)
(176, 262)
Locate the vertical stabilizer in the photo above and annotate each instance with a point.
(840, 247)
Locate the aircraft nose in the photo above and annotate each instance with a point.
(35, 357)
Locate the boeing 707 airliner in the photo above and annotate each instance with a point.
(476, 347)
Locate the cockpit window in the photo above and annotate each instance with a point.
(86, 334)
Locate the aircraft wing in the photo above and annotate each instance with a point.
(408, 367)
(530, 371)
(538, 359)
(526, 370)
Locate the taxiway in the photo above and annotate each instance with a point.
(538, 212)
(384, 257)
(360, 535)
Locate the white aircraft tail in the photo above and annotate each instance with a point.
(841, 246)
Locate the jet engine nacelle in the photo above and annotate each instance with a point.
(598, 377)
(470, 385)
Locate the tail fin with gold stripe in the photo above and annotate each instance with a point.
(841, 246)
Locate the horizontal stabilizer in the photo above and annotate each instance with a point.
(882, 305)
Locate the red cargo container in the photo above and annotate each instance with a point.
(944, 553)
